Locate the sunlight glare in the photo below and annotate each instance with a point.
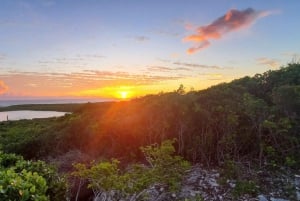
(124, 94)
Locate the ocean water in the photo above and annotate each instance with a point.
(28, 114)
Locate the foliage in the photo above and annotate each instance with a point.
(196, 198)
(105, 178)
(237, 120)
(245, 187)
(230, 170)
(166, 168)
(22, 186)
(27, 180)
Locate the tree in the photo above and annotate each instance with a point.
(257, 111)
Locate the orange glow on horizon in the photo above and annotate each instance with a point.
(127, 92)
(117, 92)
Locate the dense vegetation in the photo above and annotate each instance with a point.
(252, 120)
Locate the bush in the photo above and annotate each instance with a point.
(230, 170)
(245, 187)
(28, 180)
(166, 168)
(22, 186)
(108, 181)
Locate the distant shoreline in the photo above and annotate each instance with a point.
(28, 115)
(13, 102)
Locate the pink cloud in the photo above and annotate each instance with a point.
(233, 20)
(3, 87)
(201, 46)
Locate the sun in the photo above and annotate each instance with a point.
(124, 94)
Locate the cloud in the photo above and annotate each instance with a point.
(233, 20)
(183, 68)
(167, 33)
(166, 69)
(95, 56)
(79, 60)
(160, 68)
(189, 26)
(141, 38)
(3, 87)
(197, 65)
(270, 62)
(79, 80)
(202, 45)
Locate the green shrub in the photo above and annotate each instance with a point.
(22, 186)
(28, 180)
(105, 178)
(167, 168)
(290, 162)
(245, 187)
(230, 170)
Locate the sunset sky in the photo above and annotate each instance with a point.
(129, 48)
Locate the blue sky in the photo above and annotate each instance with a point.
(99, 47)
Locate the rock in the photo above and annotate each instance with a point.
(297, 186)
(203, 184)
(297, 181)
(278, 199)
(231, 183)
(298, 195)
(212, 182)
(262, 198)
(192, 193)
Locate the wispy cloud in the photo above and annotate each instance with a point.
(44, 84)
(166, 69)
(95, 56)
(273, 63)
(197, 65)
(167, 33)
(160, 68)
(3, 87)
(141, 38)
(204, 44)
(77, 60)
(233, 20)
(189, 26)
